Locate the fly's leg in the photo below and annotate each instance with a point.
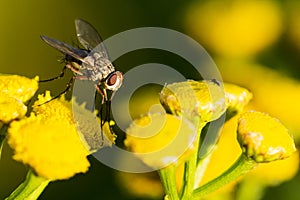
(102, 122)
(103, 93)
(62, 73)
(106, 117)
(104, 113)
(68, 88)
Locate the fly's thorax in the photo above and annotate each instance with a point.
(98, 66)
(98, 71)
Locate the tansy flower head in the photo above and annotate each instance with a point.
(262, 80)
(52, 148)
(49, 140)
(204, 99)
(264, 138)
(19, 87)
(86, 122)
(11, 108)
(236, 99)
(88, 126)
(160, 139)
(14, 90)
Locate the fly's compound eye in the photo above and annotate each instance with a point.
(114, 81)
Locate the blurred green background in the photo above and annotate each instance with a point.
(23, 52)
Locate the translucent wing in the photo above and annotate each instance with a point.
(89, 37)
(79, 54)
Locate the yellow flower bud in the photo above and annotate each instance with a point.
(160, 139)
(19, 87)
(264, 138)
(11, 108)
(204, 99)
(236, 98)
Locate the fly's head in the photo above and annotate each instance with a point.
(112, 83)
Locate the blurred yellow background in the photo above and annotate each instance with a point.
(254, 43)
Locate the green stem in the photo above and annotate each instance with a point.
(168, 179)
(3, 132)
(30, 189)
(190, 170)
(200, 169)
(240, 167)
(189, 176)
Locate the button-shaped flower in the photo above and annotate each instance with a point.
(52, 148)
(49, 140)
(14, 91)
(11, 108)
(19, 87)
(85, 121)
(160, 139)
(264, 138)
(204, 99)
(236, 99)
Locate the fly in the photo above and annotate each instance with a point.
(89, 63)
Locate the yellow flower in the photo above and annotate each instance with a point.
(236, 98)
(274, 93)
(11, 108)
(235, 28)
(14, 90)
(52, 148)
(19, 87)
(160, 139)
(264, 138)
(86, 122)
(223, 157)
(204, 99)
(50, 141)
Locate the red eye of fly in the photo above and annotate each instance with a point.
(112, 80)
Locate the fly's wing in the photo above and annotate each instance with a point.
(89, 37)
(65, 48)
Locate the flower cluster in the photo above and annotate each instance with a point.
(55, 138)
(48, 141)
(262, 138)
(185, 143)
(14, 92)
